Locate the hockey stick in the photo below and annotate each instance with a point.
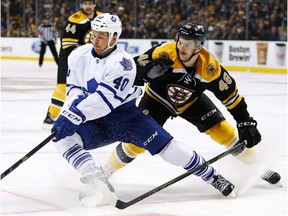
(28, 155)
(122, 205)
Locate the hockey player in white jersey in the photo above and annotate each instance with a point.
(100, 110)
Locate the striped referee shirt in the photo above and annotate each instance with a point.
(47, 32)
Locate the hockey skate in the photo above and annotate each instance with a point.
(223, 185)
(99, 192)
(48, 122)
(272, 177)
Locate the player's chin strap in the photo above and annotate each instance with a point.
(193, 54)
(108, 45)
(122, 205)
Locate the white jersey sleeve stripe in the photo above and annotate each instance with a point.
(113, 91)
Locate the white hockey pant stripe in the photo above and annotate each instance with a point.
(71, 148)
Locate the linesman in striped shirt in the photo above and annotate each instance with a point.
(48, 35)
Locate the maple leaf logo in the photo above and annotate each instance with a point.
(127, 64)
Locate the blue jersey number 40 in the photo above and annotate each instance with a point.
(120, 83)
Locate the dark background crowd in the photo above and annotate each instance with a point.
(158, 19)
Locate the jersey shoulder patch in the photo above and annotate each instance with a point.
(208, 67)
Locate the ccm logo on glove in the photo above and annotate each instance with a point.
(67, 123)
(247, 130)
(74, 118)
(244, 124)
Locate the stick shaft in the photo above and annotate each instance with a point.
(122, 205)
(28, 155)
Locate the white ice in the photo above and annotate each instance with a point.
(46, 185)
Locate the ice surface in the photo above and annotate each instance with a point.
(45, 185)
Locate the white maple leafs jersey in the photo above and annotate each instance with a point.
(106, 83)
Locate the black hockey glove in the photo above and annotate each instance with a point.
(155, 68)
(160, 67)
(247, 130)
(163, 62)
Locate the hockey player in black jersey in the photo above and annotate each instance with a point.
(177, 73)
(76, 32)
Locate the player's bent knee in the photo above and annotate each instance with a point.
(176, 153)
(223, 133)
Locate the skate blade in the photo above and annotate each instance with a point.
(97, 196)
(278, 184)
(233, 195)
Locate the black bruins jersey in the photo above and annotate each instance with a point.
(77, 30)
(76, 33)
(180, 87)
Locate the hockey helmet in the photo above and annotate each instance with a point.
(192, 31)
(107, 23)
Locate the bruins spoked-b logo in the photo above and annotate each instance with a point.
(178, 94)
(88, 36)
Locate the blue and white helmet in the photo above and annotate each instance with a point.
(107, 23)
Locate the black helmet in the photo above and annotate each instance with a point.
(192, 31)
